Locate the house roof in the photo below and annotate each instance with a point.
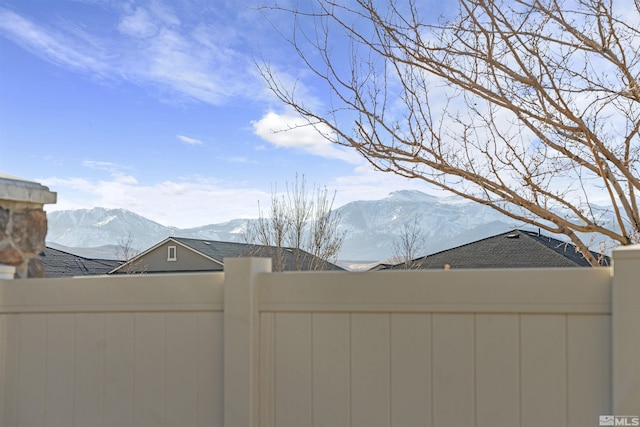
(58, 263)
(217, 251)
(513, 249)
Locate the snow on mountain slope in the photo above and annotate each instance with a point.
(370, 226)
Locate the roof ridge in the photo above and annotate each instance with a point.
(80, 256)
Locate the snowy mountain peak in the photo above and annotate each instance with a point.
(411, 196)
(370, 226)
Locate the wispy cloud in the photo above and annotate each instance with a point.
(283, 130)
(237, 159)
(116, 171)
(139, 24)
(54, 45)
(189, 140)
(100, 165)
(187, 202)
(192, 60)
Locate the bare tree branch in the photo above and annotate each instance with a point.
(126, 251)
(409, 244)
(531, 107)
(300, 223)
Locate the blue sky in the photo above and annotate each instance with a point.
(156, 107)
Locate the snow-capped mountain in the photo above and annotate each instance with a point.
(370, 226)
(101, 226)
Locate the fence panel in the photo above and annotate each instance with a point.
(484, 348)
(430, 348)
(117, 351)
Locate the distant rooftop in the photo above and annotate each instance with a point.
(58, 263)
(219, 250)
(513, 249)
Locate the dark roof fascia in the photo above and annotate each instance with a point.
(83, 257)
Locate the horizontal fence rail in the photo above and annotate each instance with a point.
(497, 291)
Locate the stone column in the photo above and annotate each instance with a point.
(23, 224)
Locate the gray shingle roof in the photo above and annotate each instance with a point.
(513, 249)
(220, 250)
(58, 263)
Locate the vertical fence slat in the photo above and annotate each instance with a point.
(60, 369)
(370, 376)
(497, 370)
(331, 369)
(293, 370)
(89, 368)
(148, 374)
(210, 367)
(11, 370)
(589, 376)
(31, 371)
(543, 370)
(267, 370)
(453, 370)
(119, 375)
(181, 369)
(410, 370)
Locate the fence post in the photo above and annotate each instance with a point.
(625, 323)
(241, 340)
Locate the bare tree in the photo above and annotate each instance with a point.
(300, 223)
(409, 244)
(531, 107)
(325, 239)
(126, 251)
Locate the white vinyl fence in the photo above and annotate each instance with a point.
(112, 351)
(557, 347)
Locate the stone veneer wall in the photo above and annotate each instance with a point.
(23, 225)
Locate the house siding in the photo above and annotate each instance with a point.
(187, 260)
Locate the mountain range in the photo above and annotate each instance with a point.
(370, 227)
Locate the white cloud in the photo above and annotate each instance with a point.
(138, 24)
(189, 140)
(195, 201)
(68, 50)
(237, 159)
(100, 165)
(287, 131)
(153, 48)
(180, 203)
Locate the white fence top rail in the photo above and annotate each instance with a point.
(568, 290)
(126, 293)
